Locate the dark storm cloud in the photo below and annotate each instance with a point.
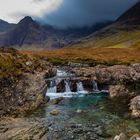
(80, 13)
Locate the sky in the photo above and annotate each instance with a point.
(64, 13)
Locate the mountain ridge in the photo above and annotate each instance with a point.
(29, 32)
(123, 33)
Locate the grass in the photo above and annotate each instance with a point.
(114, 36)
(92, 56)
(14, 64)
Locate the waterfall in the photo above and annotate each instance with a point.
(95, 86)
(52, 88)
(80, 86)
(67, 87)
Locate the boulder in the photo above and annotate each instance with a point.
(135, 137)
(57, 101)
(120, 91)
(55, 112)
(122, 136)
(135, 107)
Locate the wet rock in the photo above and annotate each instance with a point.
(73, 85)
(57, 101)
(61, 86)
(47, 98)
(135, 107)
(123, 80)
(99, 130)
(135, 137)
(55, 112)
(122, 136)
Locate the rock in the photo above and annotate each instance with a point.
(47, 98)
(55, 112)
(79, 111)
(136, 67)
(135, 137)
(120, 91)
(57, 101)
(135, 107)
(20, 128)
(119, 79)
(22, 95)
(61, 86)
(28, 63)
(122, 136)
(99, 130)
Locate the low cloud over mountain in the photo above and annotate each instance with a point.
(65, 13)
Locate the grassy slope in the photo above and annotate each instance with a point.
(114, 36)
(13, 64)
(109, 56)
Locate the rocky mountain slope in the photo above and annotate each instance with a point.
(29, 32)
(5, 26)
(123, 33)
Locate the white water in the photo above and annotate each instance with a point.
(61, 73)
(67, 87)
(95, 87)
(52, 89)
(80, 88)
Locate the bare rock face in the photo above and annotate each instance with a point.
(23, 94)
(135, 107)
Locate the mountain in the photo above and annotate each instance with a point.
(123, 33)
(29, 33)
(5, 26)
(132, 16)
(26, 31)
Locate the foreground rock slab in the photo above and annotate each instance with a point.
(22, 129)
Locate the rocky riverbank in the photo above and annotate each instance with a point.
(122, 82)
(23, 90)
(22, 82)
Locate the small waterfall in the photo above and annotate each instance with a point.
(67, 87)
(95, 86)
(52, 88)
(80, 86)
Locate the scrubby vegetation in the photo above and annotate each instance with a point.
(91, 56)
(13, 64)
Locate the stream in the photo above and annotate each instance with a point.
(84, 115)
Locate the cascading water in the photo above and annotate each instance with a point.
(62, 75)
(52, 88)
(95, 86)
(80, 86)
(67, 87)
